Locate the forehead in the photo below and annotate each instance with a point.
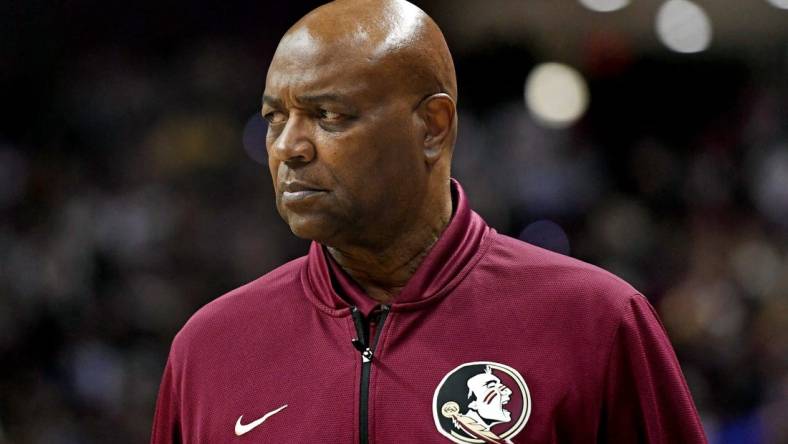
(479, 381)
(304, 63)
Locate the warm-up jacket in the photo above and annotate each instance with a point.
(492, 340)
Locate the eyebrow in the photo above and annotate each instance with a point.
(322, 98)
(272, 101)
(310, 99)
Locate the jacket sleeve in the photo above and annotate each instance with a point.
(166, 420)
(646, 396)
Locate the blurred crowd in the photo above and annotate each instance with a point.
(142, 194)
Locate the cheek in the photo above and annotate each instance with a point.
(351, 158)
(385, 152)
(371, 157)
(273, 167)
(273, 164)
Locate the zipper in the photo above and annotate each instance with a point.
(367, 350)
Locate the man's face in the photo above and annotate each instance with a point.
(491, 396)
(343, 151)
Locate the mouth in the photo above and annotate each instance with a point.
(293, 192)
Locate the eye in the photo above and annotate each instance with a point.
(330, 116)
(275, 117)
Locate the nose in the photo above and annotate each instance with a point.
(293, 145)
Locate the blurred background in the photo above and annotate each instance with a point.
(649, 137)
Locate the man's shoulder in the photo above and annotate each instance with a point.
(555, 274)
(266, 289)
(253, 302)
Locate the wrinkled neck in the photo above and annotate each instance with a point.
(383, 271)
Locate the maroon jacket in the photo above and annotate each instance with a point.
(492, 340)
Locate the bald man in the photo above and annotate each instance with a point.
(409, 320)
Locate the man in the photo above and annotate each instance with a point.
(406, 294)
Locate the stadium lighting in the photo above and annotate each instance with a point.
(556, 95)
(604, 5)
(683, 26)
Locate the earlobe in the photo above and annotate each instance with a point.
(438, 112)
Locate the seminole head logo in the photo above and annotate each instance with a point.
(481, 402)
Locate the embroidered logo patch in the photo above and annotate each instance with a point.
(481, 402)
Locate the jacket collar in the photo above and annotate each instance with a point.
(460, 246)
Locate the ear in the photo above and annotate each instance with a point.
(438, 113)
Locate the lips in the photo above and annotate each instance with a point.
(296, 187)
(297, 192)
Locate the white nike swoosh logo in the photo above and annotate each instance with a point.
(240, 429)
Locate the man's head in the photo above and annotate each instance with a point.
(488, 397)
(360, 99)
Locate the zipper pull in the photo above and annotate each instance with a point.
(359, 343)
(366, 352)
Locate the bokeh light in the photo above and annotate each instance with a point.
(756, 264)
(770, 188)
(683, 26)
(556, 94)
(548, 235)
(604, 5)
(254, 138)
(782, 4)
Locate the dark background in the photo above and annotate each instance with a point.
(132, 190)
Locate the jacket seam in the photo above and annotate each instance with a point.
(307, 285)
(484, 247)
(610, 346)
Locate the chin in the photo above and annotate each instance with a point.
(306, 232)
(310, 228)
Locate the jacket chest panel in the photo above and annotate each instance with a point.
(303, 390)
(522, 385)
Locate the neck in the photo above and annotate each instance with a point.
(383, 271)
